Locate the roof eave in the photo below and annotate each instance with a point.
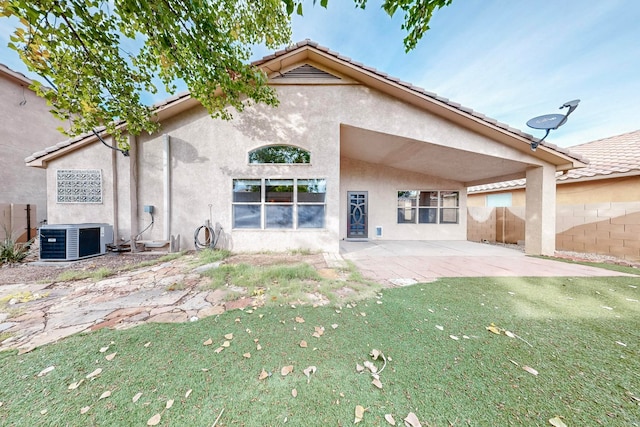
(465, 117)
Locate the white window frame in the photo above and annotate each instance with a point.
(416, 207)
(264, 203)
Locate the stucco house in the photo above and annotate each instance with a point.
(25, 126)
(350, 153)
(598, 206)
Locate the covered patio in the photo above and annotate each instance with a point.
(408, 262)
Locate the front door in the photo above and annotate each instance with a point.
(357, 223)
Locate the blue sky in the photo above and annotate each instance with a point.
(509, 59)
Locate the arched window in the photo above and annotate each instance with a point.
(280, 154)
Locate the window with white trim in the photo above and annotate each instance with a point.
(428, 207)
(269, 203)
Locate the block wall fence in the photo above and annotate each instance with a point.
(601, 228)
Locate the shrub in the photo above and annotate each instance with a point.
(12, 251)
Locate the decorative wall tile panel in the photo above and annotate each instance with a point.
(79, 185)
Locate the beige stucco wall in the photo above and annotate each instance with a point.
(26, 126)
(95, 156)
(382, 185)
(207, 154)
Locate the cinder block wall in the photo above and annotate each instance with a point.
(481, 224)
(601, 228)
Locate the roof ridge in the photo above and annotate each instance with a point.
(395, 80)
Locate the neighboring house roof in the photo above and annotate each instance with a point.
(612, 157)
(293, 54)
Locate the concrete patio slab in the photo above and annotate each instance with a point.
(425, 261)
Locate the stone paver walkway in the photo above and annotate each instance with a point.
(38, 314)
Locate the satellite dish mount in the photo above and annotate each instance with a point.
(550, 122)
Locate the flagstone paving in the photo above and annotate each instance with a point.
(36, 314)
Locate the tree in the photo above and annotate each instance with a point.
(89, 52)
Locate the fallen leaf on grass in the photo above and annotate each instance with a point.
(440, 327)
(75, 385)
(188, 393)
(294, 393)
(621, 343)
(557, 422)
(218, 350)
(226, 344)
(94, 373)
(105, 395)
(111, 356)
(136, 397)
(359, 367)
(43, 412)
(530, 370)
(303, 344)
(510, 334)
(493, 329)
(607, 308)
(263, 374)
(208, 342)
(228, 336)
(286, 370)
(319, 331)
(104, 349)
(148, 344)
(412, 420)
(247, 355)
(45, 371)
(453, 337)
(169, 403)
(258, 347)
(370, 366)
(359, 414)
(376, 382)
(375, 354)
(389, 418)
(85, 409)
(334, 326)
(299, 320)
(155, 420)
(309, 371)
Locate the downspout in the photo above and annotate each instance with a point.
(166, 165)
(114, 190)
(133, 191)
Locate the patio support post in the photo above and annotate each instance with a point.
(540, 225)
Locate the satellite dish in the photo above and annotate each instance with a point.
(549, 122)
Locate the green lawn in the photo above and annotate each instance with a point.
(583, 335)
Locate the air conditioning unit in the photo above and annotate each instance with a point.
(70, 242)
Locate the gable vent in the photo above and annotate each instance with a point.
(307, 72)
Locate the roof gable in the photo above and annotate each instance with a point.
(307, 62)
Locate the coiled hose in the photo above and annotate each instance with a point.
(212, 240)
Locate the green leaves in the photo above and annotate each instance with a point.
(98, 56)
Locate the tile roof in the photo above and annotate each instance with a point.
(608, 158)
(408, 86)
(15, 74)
